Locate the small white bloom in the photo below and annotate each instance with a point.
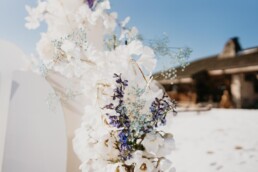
(133, 33)
(68, 46)
(110, 21)
(142, 164)
(135, 48)
(107, 144)
(105, 5)
(113, 167)
(152, 142)
(164, 164)
(125, 21)
(36, 15)
(84, 14)
(167, 146)
(129, 34)
(45, 48)
(123, 34)
(147, 60)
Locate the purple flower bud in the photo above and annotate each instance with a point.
(109, 106)
(124, 147)
(90, 3)
(123, 137)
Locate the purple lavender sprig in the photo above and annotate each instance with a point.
(159, 109)
(121, 120)
(128, 135)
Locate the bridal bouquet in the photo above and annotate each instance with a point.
(124, 108)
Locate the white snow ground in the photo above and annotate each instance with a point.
(218, 140)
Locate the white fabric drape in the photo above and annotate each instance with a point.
(73, 110)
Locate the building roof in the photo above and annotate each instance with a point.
(242, 58)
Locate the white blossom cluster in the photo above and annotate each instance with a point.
(82, 42)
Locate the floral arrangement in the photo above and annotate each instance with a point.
(134, 116)
(125, 108)
(129, 139)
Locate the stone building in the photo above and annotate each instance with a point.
(228, 79)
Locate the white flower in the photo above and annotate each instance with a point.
(70, 6)
(133, 33)
(93, 165)
(141, 163)
(36, 15)
(135, 48)
(129, 34)
(157, 145)
(168, 145)
(84, 14)
(125, 21)
(110, 21)
(45, 48)
(70, 49)
(74, 68)
(83, 144)
(90, 141)
(105, 5)
(164, 164)
(68, 46)
(152, 142)
(114, 167)
(123, 34)
(147, 60)
(106, 148)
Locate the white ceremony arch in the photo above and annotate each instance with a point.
(32, 138)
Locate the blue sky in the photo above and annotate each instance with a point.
(202, 25)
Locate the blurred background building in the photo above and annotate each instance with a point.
(227, 80)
